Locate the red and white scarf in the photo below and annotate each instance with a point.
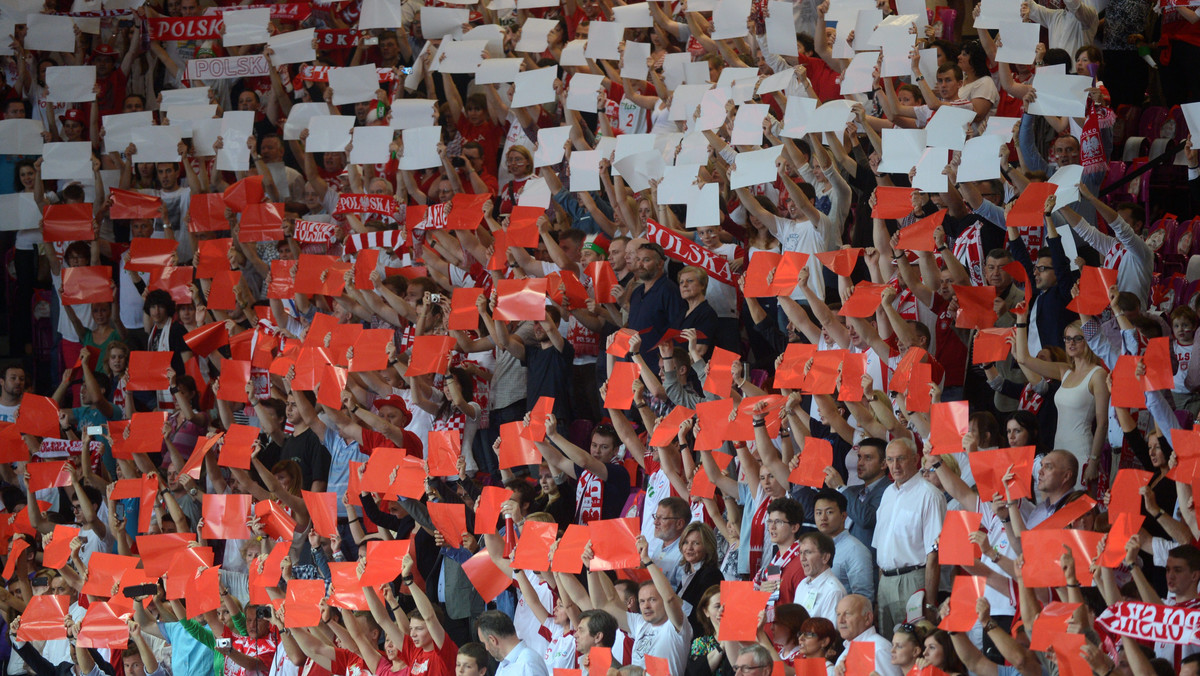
(758, 534)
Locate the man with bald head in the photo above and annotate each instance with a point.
(856, 622)
(1056, 479)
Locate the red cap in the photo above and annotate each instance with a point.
(72, 114)
(104, 50)
(395, 401)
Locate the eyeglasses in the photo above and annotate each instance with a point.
(1043, 268)
(746, 670)
(658, 518)
(778, 522)
(1073, 339)
(810, 634)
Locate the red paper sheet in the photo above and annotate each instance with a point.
(568, 555)
(302, 607)
(147, 254)
(488, 512)
(919, 235)
(134, 205)
(487, 579)
(1028, 209)
(203, 340)
(954, 546)
(1044, 548)
(613, 544)
(206, 213)
(1051, 623)
(1094, 284)
(619, 394)
(991, 345)
(42, 619)
(864, 301)
(520, 299)
(464, 315)
(603, 281)
(742, 606)
(148, 370)
(445, 448)
(450, 519)
(892, 202)
(430, 354)
(67, 223)
(533, 547)
(814, 458)
(840, 261)
(385, 561)
(949, 424)
(87, 284)
(860, 660)
(975, 306)
(225, 516)
(102, 628)
(966, 593)
(58, 551)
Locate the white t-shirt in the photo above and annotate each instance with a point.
(805, 237)
(663, 641)
(820, 595)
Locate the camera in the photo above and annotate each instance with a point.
(95, 430)
(457, 162)
(263, 613)
(435, 298)
(224, 642)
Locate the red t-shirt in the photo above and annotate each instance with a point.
(438, 662)
(372, 440)
(822, 77)
(346, 663)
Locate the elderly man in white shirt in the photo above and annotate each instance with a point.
(855, 622)
(499, 636)
(820, 591)
(908, 524)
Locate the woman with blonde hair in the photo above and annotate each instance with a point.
(1082, 399)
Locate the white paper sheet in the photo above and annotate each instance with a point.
(583, 92)
(888, 28)
(634, 60)
(796, 116)
(204, 136)
(928, 64)
(50, 33)
(534, 35)
(947, 127)
(492, 35)
(353, 84)
(278, 171)
(696, 72)
(678, 184)
(831, 116)
(157, 144)
(1067, 179)
(859, 76)
(66, 160)
(640, 168)
(246, 26)
(631, 144)
(693, 148)
(536, 193)
(585, 170)
(604, 40)
(409, 113)
(864, 28)
(914, 8)
(301, 113)
(730, 75)
(754, 168)
(703, 209)
(729, 19)
(438, 22)
(573, 53)
(8, 26)
(71, 84)
(684, 101)
(1018, 43)
(380, 14)
(551, 142)
(329, 133)
(372, 145)
(929, 176)
(712, 109)
(1070, 248)
(236, 127)
(995, 13)
(633, 16)
(185, 118)
(1063, 95)
(747, 124)
(980, 159)
(21, 211)
(534, 87)
(781, 29)
(191, 95)
(896, 60)
(463, 56)
(776, 82)
(293, 47)
(1191, 115)
(22, 136)
(420, 148)
(534, 4)
(901, 150)
(1001, 126)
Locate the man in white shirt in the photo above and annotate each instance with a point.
(661, 628)
(820, 591)
(854, 623)
(12, 388)
(908, 525)
(499, 636)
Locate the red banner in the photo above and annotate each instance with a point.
(314, 232)
(309, 73)
(384, 205)
(336, 38)
(284, 11)
(689, 253)
(185, 28)
(1152, 622)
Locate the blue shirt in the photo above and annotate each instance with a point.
(654, 312)
(342, 453)
(188, 656)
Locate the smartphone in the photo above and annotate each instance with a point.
(41, 582)
(224, 642)
(138, 591)
(95, 430)
(120, 511)
(370, 42)
(125, 23)
(407, 70)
